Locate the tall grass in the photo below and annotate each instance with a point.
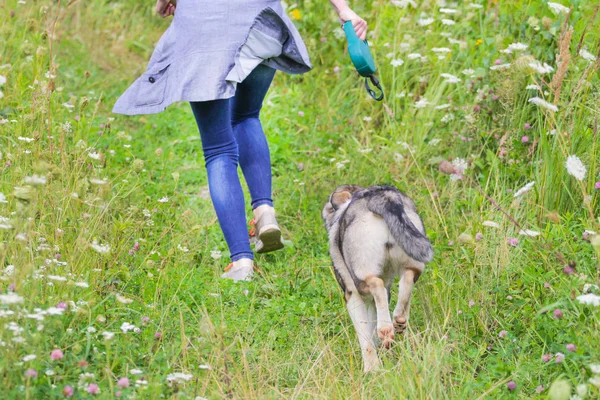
(123, 231)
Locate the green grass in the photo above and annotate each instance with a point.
(287, 334)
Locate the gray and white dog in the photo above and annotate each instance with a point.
(375, 234)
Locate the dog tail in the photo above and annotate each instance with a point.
(413, 241)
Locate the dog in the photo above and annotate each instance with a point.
(375, 234)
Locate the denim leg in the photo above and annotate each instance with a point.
(221, 160)
(255, 159)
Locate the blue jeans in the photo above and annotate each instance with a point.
(231, 133)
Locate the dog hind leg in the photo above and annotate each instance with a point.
(364, 329)
(385, 328)
(402, 310)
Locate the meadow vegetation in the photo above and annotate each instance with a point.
(111, 255)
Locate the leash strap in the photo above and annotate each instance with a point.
(372, 92)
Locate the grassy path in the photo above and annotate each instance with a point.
(111, 253)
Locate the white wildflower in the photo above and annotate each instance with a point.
(405, 46)
(450, 78)
(4, 223)
(82, 284)
(94, 155)
(528, 232)
(541, 68)
(586, 55)
(339, 33)
(29, 357)
(499, 67)
(397, 62)
(468, 72)
(66, 127)
(447, 118)
(475, 5)
(179, 377)
(26, 139)
(589, 287)
(575, 167)
(9, 270)
(96, 181)
(595, 368)
(108, 335)
(441, 50)
(543, 103)
(413, 56)
(91, 329)
(367, 119)
(216, 254)
(442, 106)
(35, 179)
(590, 299)
(491, 224)
(532, 87)
(163, 199)
(55, 311)
(557, 8)
(422, 103)
(514, 47)
(2, 80)
(3, 199)
(204, 366)
(100, 248)
(122, 299)
(10, 298)
(524, 189)
(460, 165)
(126, 327)
(404, 3)
(461, 43)
(446, 21)
(140, 382)
(425, 21)
(57, 278)
(136, 371)
(447, 10)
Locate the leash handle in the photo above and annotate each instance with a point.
(375, 83)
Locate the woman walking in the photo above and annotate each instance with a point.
(221, 57)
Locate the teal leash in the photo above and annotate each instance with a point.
(361, 57)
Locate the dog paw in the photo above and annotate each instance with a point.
(386, 335)
(400, 324)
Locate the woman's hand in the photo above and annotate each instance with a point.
(346, 14)
(165, 8)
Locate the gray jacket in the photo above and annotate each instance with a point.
(210, 46)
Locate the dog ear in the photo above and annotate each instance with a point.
(339, 198)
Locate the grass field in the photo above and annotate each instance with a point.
(110, 251)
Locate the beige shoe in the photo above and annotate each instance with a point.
(240, 270)
(266, 230)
